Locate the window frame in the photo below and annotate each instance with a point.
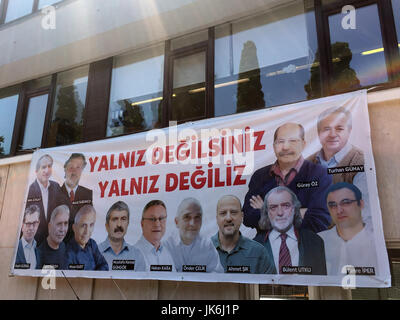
(388, 32)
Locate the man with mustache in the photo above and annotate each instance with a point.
(154, 221)
(77, 194)
(349, 242)
(82, 251)
(27, 253)
(307, 180)
(46, 194)
(287, 244)
(52, 251)
(119, 254)
(237, 253)
(190, 250)
(334, 128)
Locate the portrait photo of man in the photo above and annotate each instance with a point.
(46, 194)
(349, 242)
(27, 247)
(334, 128)
(82, 250)
(307, 180)
(236, 252)
(286, 242)
(154, 220)
(114, 247)
(76, 193)
(188, 248)
(52, 251)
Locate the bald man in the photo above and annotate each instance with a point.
(190, 251)
(237, 253)
(309, 181)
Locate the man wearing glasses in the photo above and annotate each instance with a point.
(293, 250)
(157, 256)
(349, 242)
(27, 254)
(307, 180)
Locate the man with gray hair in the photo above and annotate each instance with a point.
(119, 254)
(77, 194)
(46, 194)
(334, 128)
(293, 249)
(192, 252)
(82, 251)
(52, 251)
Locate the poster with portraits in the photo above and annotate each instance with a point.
(285, 195)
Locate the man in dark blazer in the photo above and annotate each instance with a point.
(46, 194)
(307, 180)
(78, 195)
(293, 249)
(27, 254)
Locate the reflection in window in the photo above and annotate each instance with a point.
(70, 98)
(34, 122)
(18, 8)
(8, 110)
(136, 92)
(396, 14)
(266, 60)
(357, 54)
(188, 96)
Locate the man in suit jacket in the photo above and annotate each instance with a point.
(293, 249)
(78, 195)
(307, 180)
(334, 128)
(46, 194)
(27, 254)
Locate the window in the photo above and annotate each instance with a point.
(396, 14)
(266, 60)
(17, 9)
(8, 109)
(136, 92)
(357, 55)
(43, 3)
(69, 105)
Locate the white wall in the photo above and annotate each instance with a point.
(90, 30)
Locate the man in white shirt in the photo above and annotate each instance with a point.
(192, 252)
(156, 255)
(27, 254)
(349, 242)
(334, 128)
(293, 249)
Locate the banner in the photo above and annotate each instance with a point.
(285, 195)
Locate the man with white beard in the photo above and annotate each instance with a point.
(293, 249)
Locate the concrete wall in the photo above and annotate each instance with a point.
(90, 30)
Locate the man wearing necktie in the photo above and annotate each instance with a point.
(293, 249)
(77, 194)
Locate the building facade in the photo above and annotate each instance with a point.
(89, 70)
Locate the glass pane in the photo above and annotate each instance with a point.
(357, 54)
(189, 39)
(266, 60)
(18, 8)
(136, 92)
(188, 98)
(8, 110)
(396, 14)
(39, 83)
(43, 3)
(35, 122)
(67, 120)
